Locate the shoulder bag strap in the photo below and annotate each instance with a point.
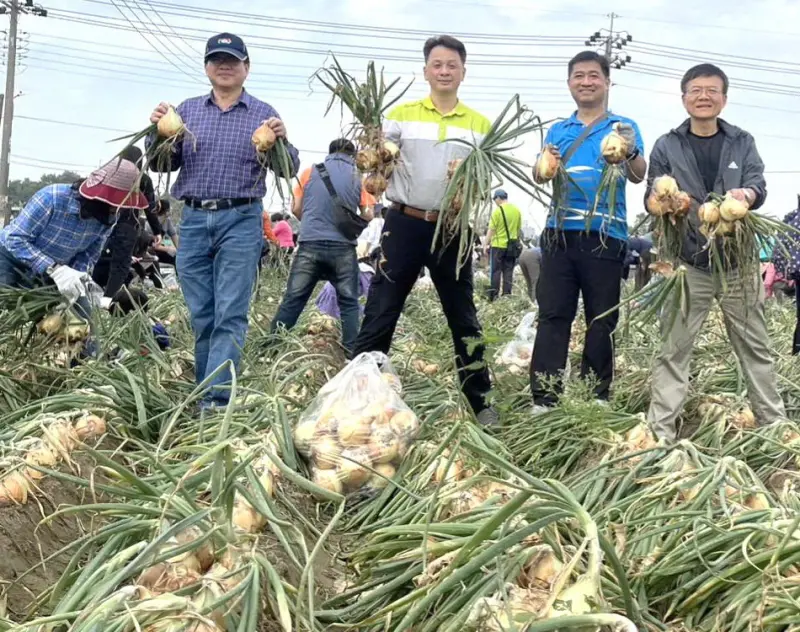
(505, 223)
(326, 179)
(583, 136)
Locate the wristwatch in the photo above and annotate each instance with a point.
(633, 155)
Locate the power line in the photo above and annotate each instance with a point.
(162, 38)
(697, 58)
(155, 48)
(193, 11)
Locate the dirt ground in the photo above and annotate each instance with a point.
(25, 541)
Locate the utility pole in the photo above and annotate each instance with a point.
(13, 8)
(610, 41)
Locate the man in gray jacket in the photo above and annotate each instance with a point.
(705, 154)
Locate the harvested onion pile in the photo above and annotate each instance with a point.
(358, 429)
(59, 439)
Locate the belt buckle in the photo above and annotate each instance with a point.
(208, 205)
(430, 216)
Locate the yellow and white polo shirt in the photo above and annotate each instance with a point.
(419, 129)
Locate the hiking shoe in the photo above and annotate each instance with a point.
(488, 418)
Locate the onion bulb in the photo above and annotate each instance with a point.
(724, 227)
(665, 186)
(443, 473)
(367, 160)
(657, 206)
(90, 426)
(541, 569)
(375, 184)
(379, 480)
(327, 479)
(51, 324)
(351, 469)
(546, 166)
(389, 152)
(732, 209)
(681, 203)
(384, 445)
(264, 138)
(61, 436)
(744, 420)
(708, 213)
(14, 489)
(171, 124)
(303, 434)
(580, 598)
(325, 451)
(42, 456)
(614, 148)
(353, 432)
(204, 553)
(405, 424)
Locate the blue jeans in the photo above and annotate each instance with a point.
(322, 261)
(217, 263)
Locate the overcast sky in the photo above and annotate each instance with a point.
(75, 70)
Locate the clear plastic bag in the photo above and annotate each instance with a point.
(526, 330)
(357, 423)
(516, 355)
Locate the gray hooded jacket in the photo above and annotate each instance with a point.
(740, 168)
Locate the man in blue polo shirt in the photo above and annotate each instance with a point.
(576, 261)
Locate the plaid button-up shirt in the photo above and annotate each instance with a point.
(217, 158)
(50, 230)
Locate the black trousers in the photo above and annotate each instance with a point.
(406, 243)
(502, 267)
(796, 344)
(573, 264)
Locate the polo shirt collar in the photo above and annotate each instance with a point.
(574, 120)
(245, 99)
(459, 110)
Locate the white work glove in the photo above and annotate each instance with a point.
(629, 134)
(70, 282)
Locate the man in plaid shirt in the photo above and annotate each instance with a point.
(222, 183)
(61, 231)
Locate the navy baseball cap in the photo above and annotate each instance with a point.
(227, 43)
(500, 194)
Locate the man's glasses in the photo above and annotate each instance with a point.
(697, 91)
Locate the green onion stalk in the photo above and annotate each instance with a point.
(666, 297)
(489, 163)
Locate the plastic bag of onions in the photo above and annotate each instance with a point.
(357, 430)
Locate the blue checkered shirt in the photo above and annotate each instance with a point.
(50, 230)
(217, 159)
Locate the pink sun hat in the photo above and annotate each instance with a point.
(115, 183)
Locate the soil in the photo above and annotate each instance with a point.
(25, 541)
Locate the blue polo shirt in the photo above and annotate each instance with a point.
(585, 167)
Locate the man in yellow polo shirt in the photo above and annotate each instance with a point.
(502, 243)
(416, 190)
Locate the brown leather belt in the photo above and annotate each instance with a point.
(416, 213)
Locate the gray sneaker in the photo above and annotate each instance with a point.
(538, 409)
(488, 418)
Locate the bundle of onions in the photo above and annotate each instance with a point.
(666, 199)
(367, 101)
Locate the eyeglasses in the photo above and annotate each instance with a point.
(697, 91)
